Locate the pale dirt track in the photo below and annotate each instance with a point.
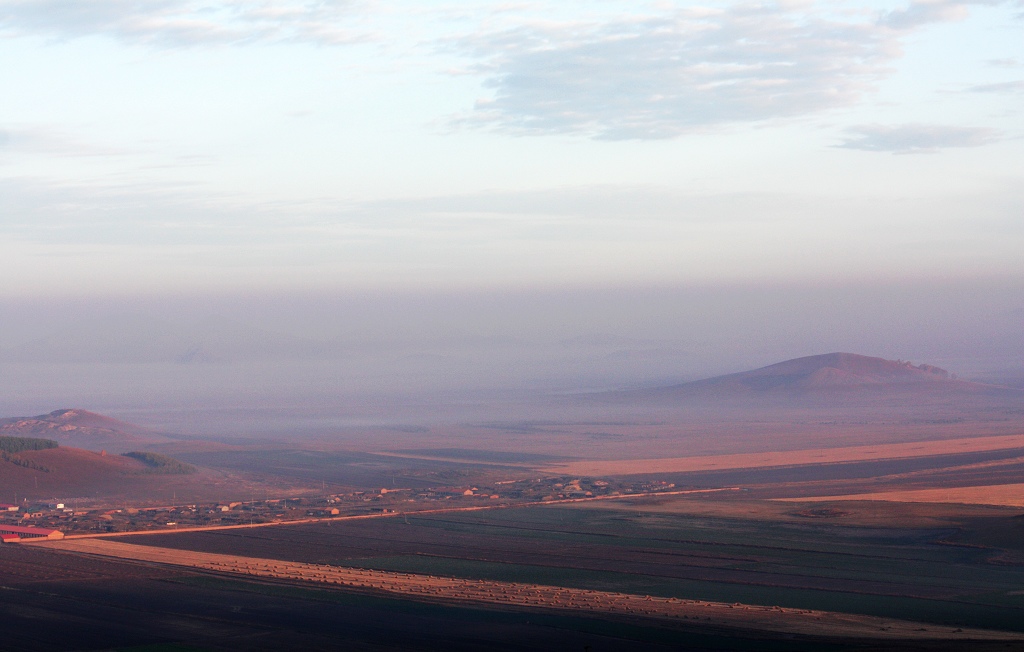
(534, 596)
(1006, 495)
(789, 458)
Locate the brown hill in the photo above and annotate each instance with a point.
(82, 429)
(830, 375)
(829, 370)
(82, 477)
(64, 473)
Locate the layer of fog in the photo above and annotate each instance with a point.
(225, 363)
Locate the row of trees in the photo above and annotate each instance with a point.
(11, 445)
(158, 463)
(20, 444)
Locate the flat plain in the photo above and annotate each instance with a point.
(846, 520)
(100, 603)
(932, 568)
(766, 459)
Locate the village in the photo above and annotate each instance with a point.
(83, 516)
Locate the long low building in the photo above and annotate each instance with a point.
(11, 533)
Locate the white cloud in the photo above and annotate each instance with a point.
(661, 77)
(182, 23)
(686, 70)
(921, 13)
(59, 237)
(49, 142)
(1006, 62)
(916, 138)
(1016, 86)
(175, 216)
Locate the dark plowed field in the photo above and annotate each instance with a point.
(104, 605)
(910, 573)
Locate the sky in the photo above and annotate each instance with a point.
(184, 146)
(242, 203)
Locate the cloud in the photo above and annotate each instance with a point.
(178, 216)
(686, 70)
(1016, 86)
(916, 138)
(1007, 62)
(91, 237)
(182, 23)
(921, 13)
(47, 141)
(658, 77)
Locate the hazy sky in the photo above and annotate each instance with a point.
(186, 145)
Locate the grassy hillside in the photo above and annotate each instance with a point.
(66, 473)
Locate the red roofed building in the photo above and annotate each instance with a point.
(7, 507)
(11, 533)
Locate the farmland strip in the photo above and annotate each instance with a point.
(512, 594)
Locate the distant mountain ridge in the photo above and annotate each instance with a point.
(840, 374)
(832, 370)
(80, 428)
